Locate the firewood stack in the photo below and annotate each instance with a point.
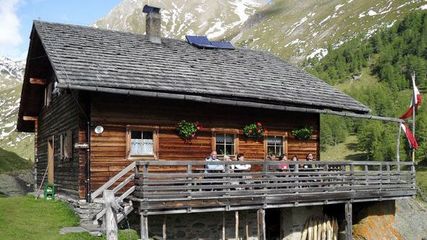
(320, 228)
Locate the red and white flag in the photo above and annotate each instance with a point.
(410, 136)
(417, 98)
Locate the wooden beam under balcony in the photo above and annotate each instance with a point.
(29, 118)
(38, 81)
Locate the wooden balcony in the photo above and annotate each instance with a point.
(164, 187)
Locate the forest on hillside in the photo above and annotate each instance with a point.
(376, 71)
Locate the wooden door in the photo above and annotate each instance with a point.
(50, 160)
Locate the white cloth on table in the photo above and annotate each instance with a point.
(242, 166)
(214, 167)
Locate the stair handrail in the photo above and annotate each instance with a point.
(112, 180)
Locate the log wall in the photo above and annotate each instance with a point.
(116, 112)
(60, 116)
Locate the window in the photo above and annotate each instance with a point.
(48, 94)
(225, 144)
(142, 142)
(66, 145)
(275, 145)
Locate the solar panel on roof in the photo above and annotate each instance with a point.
(223, 45)
(199, 41)
(203, 42)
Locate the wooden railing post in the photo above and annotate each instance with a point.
(189, 178)
(296, 167)
(352, 181)
(388, 168)
(111, 208)
(366, 174)
(144, 175)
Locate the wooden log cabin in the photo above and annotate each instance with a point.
(104, 107)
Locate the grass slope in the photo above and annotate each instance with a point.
(422, 179)
(10, 161)
(343, 151)
(27, 218)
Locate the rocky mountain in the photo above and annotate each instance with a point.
(296, 30)
(11, 74)
(202, 17)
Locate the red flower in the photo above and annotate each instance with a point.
(258, 124)
(259, 130)
(193, 135)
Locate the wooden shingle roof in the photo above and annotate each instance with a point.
(104, 60)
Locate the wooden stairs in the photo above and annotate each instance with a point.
(121, 198)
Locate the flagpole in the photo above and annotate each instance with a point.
(398, 143)
(414, 108)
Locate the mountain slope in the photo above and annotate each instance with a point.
(11, 74)
(202, 17)
(295, 29)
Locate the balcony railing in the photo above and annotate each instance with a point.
(192, 186)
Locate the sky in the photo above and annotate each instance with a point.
(16, 17)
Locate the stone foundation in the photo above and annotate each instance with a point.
(208, 226)
(204, 226)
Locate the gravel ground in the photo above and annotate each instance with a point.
(411, 219)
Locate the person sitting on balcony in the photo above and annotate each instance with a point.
(292, 166)
(283, 166)
(213, 167)
(271, 157)
(241, 167)
(308, 158)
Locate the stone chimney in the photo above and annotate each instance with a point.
(153, 24)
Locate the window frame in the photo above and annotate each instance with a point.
(284, 136)
(225, 131)
(48, 92)
(63, 138)
(142, 128)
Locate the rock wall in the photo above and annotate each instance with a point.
(375, 221)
